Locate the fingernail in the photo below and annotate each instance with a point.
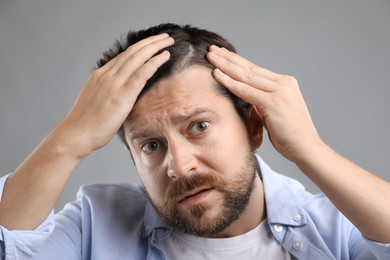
(164, 35)
(170, 40)
(218, 72)
(166, 53)
(214, 48)
(213, 55)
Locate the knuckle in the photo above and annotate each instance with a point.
(250, 73)
(225, 50)
(154, 60)
(289, 80)
(113, 81)
(97, 76)
(252, 67)
(155, 46)
(97, 73)
(138, 76)
(244, 91)
(136, 55)
(227, 81)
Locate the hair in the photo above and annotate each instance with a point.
(190, 49)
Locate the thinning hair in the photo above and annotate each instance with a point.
(190, 49)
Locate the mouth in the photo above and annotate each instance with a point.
(195, 196)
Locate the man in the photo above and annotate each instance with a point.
(191, 113)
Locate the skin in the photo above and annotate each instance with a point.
(175, 131)
(358, 194)
(33, 189)
(100, 109)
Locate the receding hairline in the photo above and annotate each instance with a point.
(183, 69)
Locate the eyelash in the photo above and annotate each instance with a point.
(198, 123)
(190, 129)
(142, 146)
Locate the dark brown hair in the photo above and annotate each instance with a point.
(190, 49)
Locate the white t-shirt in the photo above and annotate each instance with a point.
(258, 243)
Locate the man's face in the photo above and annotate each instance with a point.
(192, 153)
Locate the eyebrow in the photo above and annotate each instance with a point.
(198, 111)
(175, 119)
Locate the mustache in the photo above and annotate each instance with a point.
(183, 185)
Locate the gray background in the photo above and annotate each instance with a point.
(338, 50)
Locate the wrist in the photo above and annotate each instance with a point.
(310, 152)
(68, 141)
(316, 156)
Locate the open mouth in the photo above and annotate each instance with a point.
(195, 196)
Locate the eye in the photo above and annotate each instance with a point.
(150, 147)
(199, 127)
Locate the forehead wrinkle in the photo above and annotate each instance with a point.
(175, 119)
(147, 127)
(175, 111)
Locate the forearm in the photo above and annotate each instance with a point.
(100, 109)
(32, 190)
(359, 195)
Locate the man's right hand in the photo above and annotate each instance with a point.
(32, 190)
(110, 94)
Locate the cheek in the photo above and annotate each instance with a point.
(233, 140)
(152, 175)
(232, 144)
(154, 182)
(154, 190)
(146, 162)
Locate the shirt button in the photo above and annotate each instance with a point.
(147, 227)
(278, 228)
(297, 245)
(297, 218)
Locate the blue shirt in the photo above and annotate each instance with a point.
(116, 221)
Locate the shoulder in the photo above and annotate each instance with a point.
(311, 219)
(105, 216)
(116, 199)
(112, 190)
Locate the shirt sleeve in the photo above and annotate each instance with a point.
(22, 244)
(381, 251)
(362, 248)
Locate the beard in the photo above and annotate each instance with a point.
(235, 195)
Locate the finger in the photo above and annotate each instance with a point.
(136, 82)
(139, 58)
(242, 62)
(122, 57)
(246, 92)
(242, 74)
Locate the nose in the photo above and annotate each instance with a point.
(182, 159)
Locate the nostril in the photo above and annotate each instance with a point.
(181, 159)
(171, 173)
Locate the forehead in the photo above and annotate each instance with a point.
(192, 89)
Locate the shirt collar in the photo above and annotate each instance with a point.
(153, 222)
(281, 197)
